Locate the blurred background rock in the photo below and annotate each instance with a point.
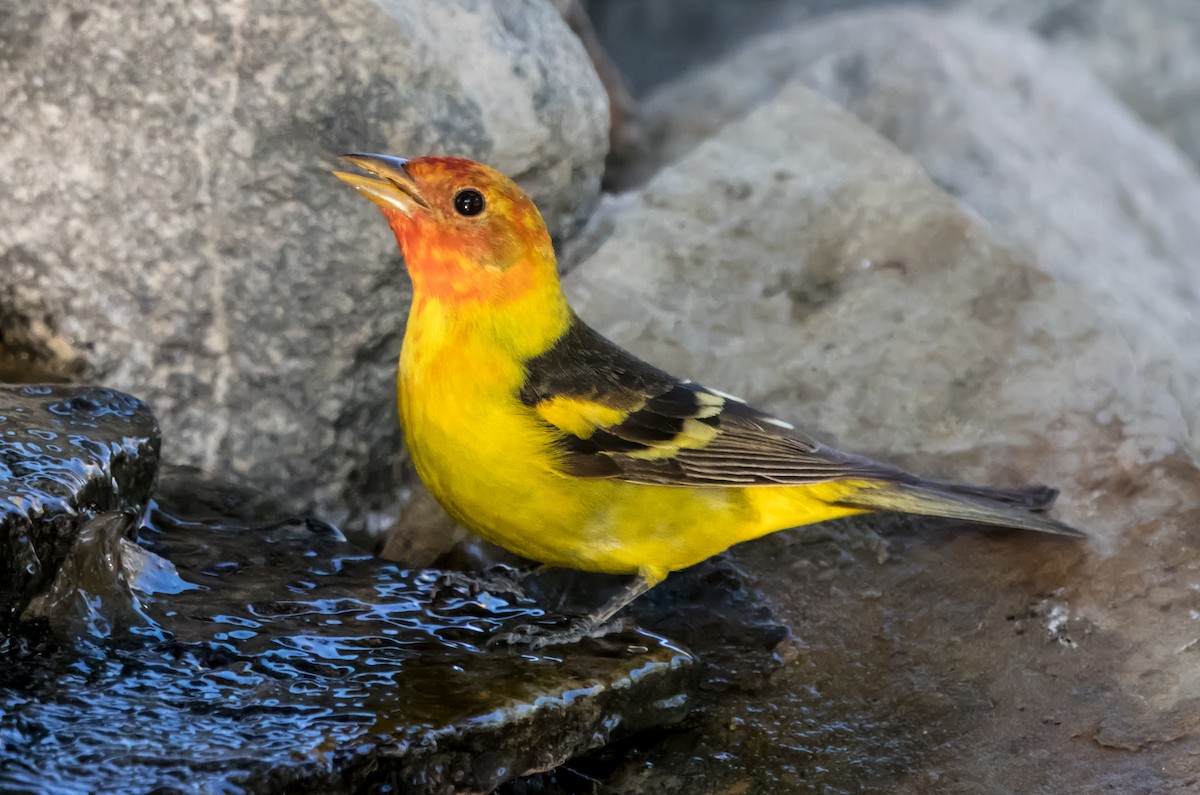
(1146, 52)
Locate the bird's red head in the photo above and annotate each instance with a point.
(468, 233)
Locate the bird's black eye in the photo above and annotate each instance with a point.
(468, 202)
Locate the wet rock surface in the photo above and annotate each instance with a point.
(280, 658)
(210, 654)
(168, 224)
(67, 456)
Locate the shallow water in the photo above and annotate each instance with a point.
(283, 657)
(67, 454)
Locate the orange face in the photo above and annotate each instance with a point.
(467, 231)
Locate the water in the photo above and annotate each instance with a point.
(283, 658)
(67, 454)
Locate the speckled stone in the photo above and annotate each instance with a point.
(1026, 137)
(169, 225)
(1147, 52)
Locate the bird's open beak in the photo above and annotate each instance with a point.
(394, 190)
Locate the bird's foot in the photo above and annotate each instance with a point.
(537, 636)
(503, 578)
(500, 578)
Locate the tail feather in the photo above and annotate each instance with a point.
(1031, 498)
(1013, 508)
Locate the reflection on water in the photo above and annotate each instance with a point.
(67, 455)
(284, 656)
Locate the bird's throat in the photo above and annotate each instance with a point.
(518, 312)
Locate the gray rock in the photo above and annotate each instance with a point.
(799, 260)
(1027, 138)
(654, 41)
(67, 456)
(1147, 52)
(169, 225)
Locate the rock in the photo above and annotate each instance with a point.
(30, 354)
(624, 135)
(171, 227)
(655, 41)
(1027, 138)
(94, 601)
(1148, 52)
(304, 664)
(68, 455)
(20, 367)
(799, 260)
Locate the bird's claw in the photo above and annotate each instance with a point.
(500, 578)
(537, 636)
(503, 578)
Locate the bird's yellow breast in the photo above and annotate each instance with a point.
(489, 460)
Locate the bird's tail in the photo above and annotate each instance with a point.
(1015, 508)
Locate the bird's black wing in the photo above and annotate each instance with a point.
(618, 417)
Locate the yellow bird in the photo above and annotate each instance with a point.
(545, 438)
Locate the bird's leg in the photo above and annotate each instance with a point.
(592, 625)
(644, 581)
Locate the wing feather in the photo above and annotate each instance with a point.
(617, 417)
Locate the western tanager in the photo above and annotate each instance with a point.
(542, 436)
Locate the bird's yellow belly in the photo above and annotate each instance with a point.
(490, 468)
